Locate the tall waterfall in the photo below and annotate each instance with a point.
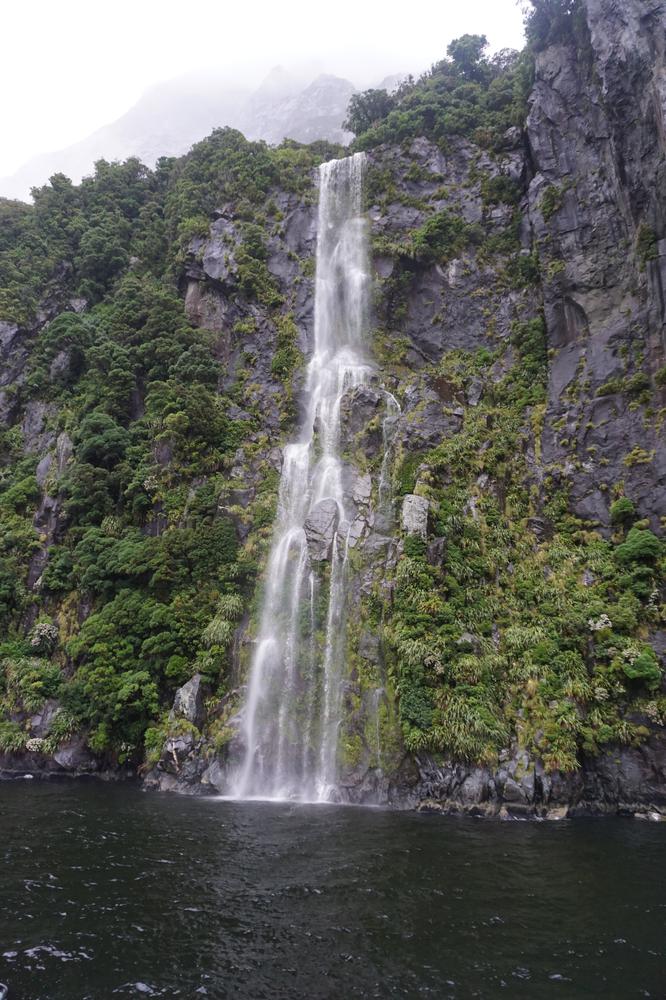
(293, 706)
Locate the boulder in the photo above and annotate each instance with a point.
(64, 451)
(39, 724)
(474, 391)
(75, 757)
(176, 751)
(218, 257)
(360, 418)
(362, 488)
(428, 419)
(215, 776)
(415, 515)
(320, 528)
(188, 703)
(474, 788)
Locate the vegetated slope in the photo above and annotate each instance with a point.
(512, 619)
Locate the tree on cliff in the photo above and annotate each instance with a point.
(550, 21)
(365, 109)
(467, 56)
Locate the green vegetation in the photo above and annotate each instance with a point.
(499, 633)
(513, 622)
(366, 109)
(467, 94)
(622, 511)
(554, 22)
(551, 201)
(516, 622)
(144, 575)
(442, 237)
(80, 239)
(646, 244)
(635, 386)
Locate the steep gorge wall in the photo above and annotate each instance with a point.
(597, 142)
(574, 204)
(512, 442)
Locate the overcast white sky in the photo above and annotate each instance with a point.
(70, 66)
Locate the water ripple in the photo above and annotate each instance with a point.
(165, 897)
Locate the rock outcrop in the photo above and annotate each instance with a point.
(619, 782)
(189, 702)
(415, 515)
(320, 529)
(72, 759)
(597, 139)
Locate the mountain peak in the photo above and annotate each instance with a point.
(171, 116)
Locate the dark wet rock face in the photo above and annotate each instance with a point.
(597, 141)
(361, 412)
(218, 260)
(621, 781)
(438, 311)
(73, 758)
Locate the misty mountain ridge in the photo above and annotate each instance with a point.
(170, 117)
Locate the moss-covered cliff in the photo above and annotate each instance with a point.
(508, 640)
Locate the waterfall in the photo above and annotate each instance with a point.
(292, 713)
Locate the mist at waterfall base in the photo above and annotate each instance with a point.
(106, 892)
(292, 712)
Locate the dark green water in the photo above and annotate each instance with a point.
(108, 892)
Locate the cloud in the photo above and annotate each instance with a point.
(70, 67)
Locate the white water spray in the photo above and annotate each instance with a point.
(293, 708)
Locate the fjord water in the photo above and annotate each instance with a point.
(292, 710)
(107, 892)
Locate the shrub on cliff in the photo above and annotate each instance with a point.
(622, 511)
(442, 237)
(641, 546)
(643, 667)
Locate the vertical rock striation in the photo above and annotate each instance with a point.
(597, 138)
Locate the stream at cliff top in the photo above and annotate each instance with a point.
(106, 892)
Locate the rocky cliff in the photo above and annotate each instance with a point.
(506, 566)
(595, 135)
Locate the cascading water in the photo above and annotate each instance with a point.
(292, 712)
